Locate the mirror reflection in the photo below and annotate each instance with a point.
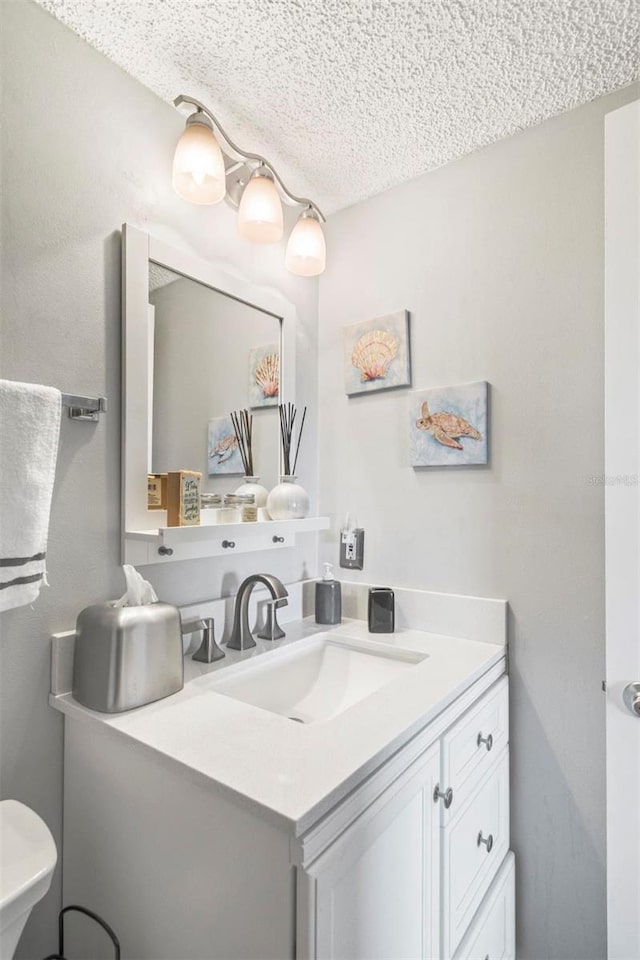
(210, 355)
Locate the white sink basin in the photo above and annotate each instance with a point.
(318, 678)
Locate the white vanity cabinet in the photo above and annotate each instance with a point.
(408, 862)
(412, 871)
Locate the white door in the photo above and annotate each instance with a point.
(375, 890)
(622, 506)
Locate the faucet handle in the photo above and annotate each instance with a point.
(208, 651)
(272, 629)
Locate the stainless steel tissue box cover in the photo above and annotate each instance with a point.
(127, 656)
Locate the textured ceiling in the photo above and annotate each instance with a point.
(349, 97)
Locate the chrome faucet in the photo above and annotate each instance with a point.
(241, 638)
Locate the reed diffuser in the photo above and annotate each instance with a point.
(242, 422)
(288, 414)
(289, 501)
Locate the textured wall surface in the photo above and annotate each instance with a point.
(499, 258)
(350, 98)
(73, 171)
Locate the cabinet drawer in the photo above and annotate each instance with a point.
(492, 934)
(475, 842)
(470, 746)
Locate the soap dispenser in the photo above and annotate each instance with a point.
(328, 597)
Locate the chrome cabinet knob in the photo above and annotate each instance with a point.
(277, 539)
(488, 841)
(447, 796)
(631, 697)
(488, 741)
(228, 544)
(165, 551)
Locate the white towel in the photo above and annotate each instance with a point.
(29, 432)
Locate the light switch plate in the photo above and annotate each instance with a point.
(352, 549)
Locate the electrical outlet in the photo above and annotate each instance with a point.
(352, 549)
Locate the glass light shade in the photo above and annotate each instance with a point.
(306, 251)
(260, 212)
(198, 166)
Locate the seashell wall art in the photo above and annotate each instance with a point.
(264, 376)
(448, 425)
(377, 354)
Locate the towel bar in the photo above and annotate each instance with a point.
(84, 408)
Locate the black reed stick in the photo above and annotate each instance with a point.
(242, 422)
(288, 414)
(295, 462)
(282, 438)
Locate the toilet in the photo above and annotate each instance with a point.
(27, 860)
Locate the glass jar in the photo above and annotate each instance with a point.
(210, 506)
(230, 511)
(248, 507)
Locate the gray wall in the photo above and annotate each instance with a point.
(85, 148)
(499, 258)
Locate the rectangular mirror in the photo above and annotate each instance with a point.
(198, 343)
(210, 354)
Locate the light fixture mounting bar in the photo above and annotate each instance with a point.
(254, 157)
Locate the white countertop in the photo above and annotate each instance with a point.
(292, 771)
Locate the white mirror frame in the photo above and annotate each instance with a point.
(138, 248)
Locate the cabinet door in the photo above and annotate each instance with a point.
(373, 894)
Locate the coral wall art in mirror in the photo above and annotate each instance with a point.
(223, 451)
(377, 354)
(448, 426)
(264, 376)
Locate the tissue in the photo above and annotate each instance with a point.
(139, 591)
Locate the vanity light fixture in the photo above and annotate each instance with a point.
(205, 173)
(306, 249)
(198, 164)
(260, 212)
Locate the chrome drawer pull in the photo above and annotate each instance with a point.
(447, 796)
(165, 551)
(488, 741)
(488, 841)
(277, 539)
(228, 544)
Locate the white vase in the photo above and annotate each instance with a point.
(252, 485)
(288, 501)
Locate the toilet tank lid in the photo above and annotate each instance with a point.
(27, 850)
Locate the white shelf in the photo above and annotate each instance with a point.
(166, 544)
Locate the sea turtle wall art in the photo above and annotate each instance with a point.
(448, 426)
(377, 355)
(223, 454)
